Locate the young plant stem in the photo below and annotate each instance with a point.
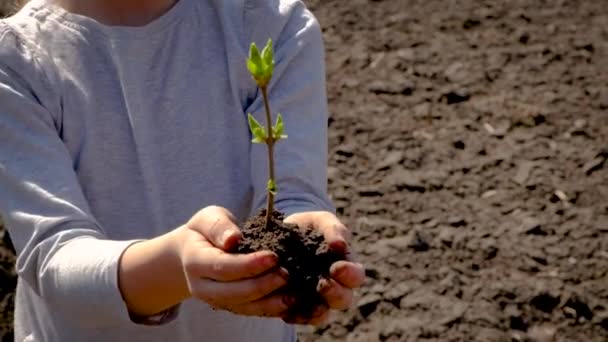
(270, 143)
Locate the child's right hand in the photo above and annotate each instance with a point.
(244, 284)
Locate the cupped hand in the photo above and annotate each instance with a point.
(345, 276)
(245, 284)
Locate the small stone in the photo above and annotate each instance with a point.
(332, 172)
(391, 159)
(500, 130)
(407, 54)
(523, 172)
(561, 195)
(544, 333)
(456, 72)
(489, 128)
(569, 312)
(489, 193)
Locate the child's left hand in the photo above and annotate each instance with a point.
(345, 275)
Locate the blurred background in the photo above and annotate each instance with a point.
(468, 154)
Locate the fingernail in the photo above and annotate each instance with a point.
(322, 286)
(270, 260)
(284, 274)
(339, 246)
(226, 236)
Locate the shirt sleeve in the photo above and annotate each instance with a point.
(297, 91)
(62, 252)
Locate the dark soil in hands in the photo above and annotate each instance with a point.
(302, 251)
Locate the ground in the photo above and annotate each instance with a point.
(468, 154)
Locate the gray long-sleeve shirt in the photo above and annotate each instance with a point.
(109, 135)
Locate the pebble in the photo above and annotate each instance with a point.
(406, 180)
(523, 172)
(544, 333)
(391, 159)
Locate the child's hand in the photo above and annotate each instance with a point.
(241, 283)
(345, 275)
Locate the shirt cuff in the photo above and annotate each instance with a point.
(290, 205)
(84, 275)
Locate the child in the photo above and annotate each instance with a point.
(119, 121)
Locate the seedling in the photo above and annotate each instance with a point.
(302, 251)
(261, 67)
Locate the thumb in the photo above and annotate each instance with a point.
(219, 228)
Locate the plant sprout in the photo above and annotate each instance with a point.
(261, 67)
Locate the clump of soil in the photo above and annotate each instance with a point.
(302, 251)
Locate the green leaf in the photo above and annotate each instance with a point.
(253, 68)
(267, 54)
(258, 132)
(268, 59)
(278, 128)
(272, 187)
(255, 63)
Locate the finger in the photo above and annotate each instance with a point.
(337, 296)
(271, 306)
(222, 294)
(215, 264)
(336, 234)
(220, 228)
(321, 316)
(348, 274)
